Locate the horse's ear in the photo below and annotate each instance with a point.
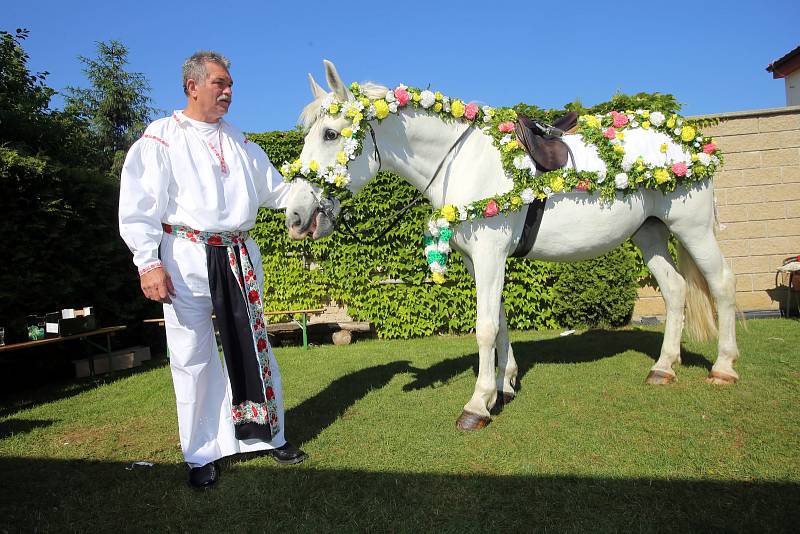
(335, 81)
(316, 90)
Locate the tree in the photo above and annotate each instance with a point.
(117, 106)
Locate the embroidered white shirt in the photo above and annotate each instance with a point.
(172, 175)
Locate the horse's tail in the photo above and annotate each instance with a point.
(701, 323)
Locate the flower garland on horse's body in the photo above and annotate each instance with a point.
(605, 131)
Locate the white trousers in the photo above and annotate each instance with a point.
(202, 389)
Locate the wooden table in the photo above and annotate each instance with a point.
(83, 336)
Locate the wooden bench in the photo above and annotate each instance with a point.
(83, 336)
(303, 323)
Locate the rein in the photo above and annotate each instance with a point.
(326, 205)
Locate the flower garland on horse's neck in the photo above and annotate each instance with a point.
(606, 132)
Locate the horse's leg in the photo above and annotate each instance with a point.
(703, 253)
(651, 239)
(507, 365)
(489, 271)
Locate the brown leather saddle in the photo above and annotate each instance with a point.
(543, 142)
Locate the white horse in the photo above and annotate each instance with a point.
(574, 226)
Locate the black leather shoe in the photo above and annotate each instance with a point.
(204, 476)
(287, 454)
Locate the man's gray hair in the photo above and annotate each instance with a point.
(195, 67)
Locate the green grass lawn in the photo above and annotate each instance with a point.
(586, 446)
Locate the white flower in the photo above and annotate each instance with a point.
(505, 139)
(621, 180)
(350, 147)
(523, 162)
(626, 166)
(657, 118)
(677, 131)
(369, 115)
(444, 247)
(463, 213)
(432, 228)
(601, 176)
(326, 102)
(427, 99)
(437, 267)
(689, 172)
(329, 177)
(715, 160)
(487, 118)
(446, 107)
(389, 96)
(547, 191)
(430, 248)
(285, 170)
(634, 124)
(441, 222)
(339, 169)
(304, 169)
(527, 195)
(679, 122)
(699, 138)
(393, 107)
(445, 101)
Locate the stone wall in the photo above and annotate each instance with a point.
(758, 203)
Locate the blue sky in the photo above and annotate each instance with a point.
(710, 55)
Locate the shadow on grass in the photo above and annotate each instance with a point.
(63, 389)
(257, 496)
(320, 411)
(589, 346)
(9, 427)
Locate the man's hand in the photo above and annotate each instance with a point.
(157, 285)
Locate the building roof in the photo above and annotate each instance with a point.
(780, 68)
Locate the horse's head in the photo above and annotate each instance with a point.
(334, 159)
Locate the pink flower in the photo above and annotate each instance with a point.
(620, 119)
(491, 209)
(402, 96)
(610, 133)
(506, 127)
(679, 169)
(710, 148)
(470, 111)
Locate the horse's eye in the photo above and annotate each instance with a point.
(331, 135)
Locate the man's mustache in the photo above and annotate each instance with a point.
(224, 98)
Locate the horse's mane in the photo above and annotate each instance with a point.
(313, 111)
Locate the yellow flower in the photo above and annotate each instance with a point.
(694, 157)
(347, 132)
(381, 108)
(688, 133)
(661, 175)
(416, 97)
(646, 125)
(646, 114)
(437, 107)
(296, 166)
(354, 86)
(313, 165)
(341, 158)
(438, 96)
(619, 149)
(449, 212)
(664, 148)
(364, 101)
(557, 184)
(640, 168)
(516, 201)
(357, 117)
(333, 109)
(510, 147)
(339, 180)
(457, 108)
(591, 121)
(438, 278)
(671, 121)
(620, 135)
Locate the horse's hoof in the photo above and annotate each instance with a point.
(721, 379)
(659, 378)
(471, 421)
(503, 398)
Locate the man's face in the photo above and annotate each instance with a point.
(213, 95)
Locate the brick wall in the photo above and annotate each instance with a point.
(758, 202)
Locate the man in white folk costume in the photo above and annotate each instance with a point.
(190, 191)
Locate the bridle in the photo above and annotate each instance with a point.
(342, 222)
